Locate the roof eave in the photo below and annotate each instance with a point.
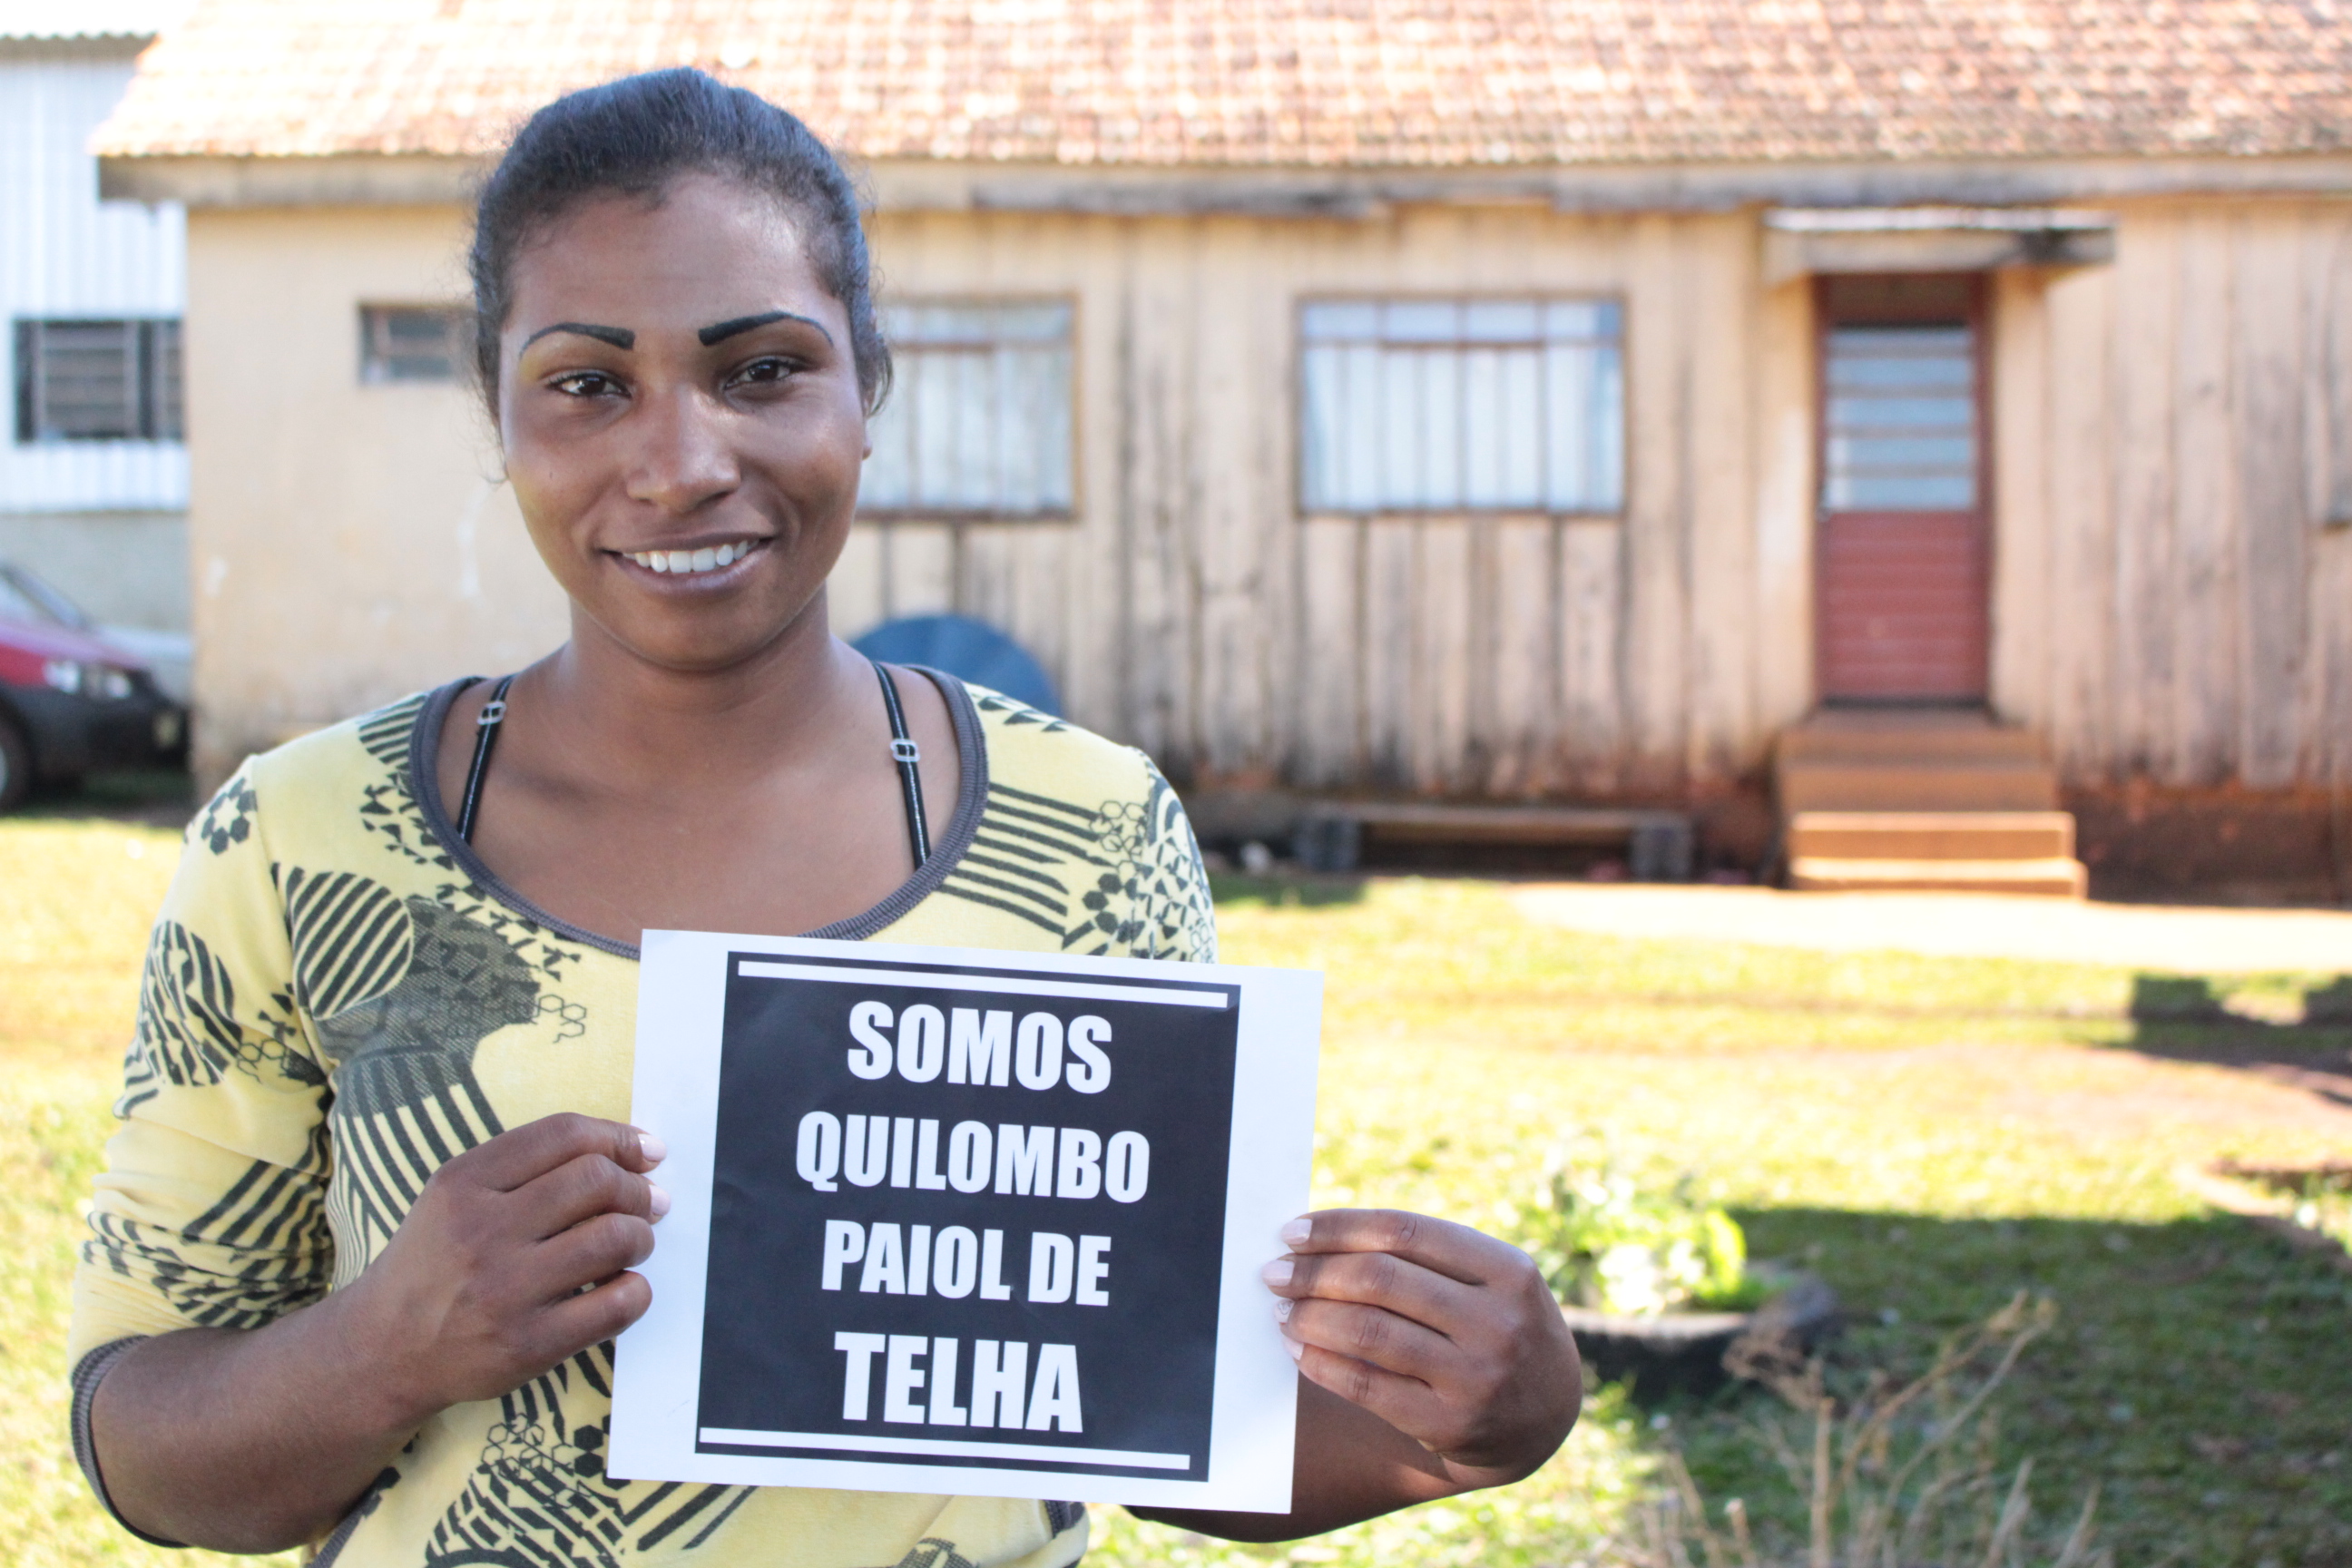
(365, 178)
(345, 179)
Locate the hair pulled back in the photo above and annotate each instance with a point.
(638, 136)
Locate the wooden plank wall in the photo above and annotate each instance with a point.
(1192, 610)
(2171, 434)
(2173, 438)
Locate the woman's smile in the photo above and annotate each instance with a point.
(705, 562)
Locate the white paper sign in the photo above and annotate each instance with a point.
(966, 1222)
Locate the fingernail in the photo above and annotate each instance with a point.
(1278, 1272)
(1294, 1347)
(653, 1148)
(1297, 1232)
(1282, 1305)
(658, 1200)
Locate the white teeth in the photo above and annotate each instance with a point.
(707, 559)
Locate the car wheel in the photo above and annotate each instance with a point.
(16, 766)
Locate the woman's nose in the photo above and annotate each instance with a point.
(684, 460)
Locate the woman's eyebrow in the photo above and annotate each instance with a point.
(719, 332)
(619, 337)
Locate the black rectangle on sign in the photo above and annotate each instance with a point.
(967, 1216)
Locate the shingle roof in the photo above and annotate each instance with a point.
(1289, 82)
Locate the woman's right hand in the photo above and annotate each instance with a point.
(514, 1258)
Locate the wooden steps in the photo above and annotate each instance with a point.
(1903, 800)
(1933, 835)
(2057, 879)
(1928, 784)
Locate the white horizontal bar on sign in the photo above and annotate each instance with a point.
(945, 1448)
(924, 979)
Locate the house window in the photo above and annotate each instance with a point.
(98, 381)
(1462, 405)
(1902, 419)
(411, 342)
(978, 423)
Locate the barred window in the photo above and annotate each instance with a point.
(1462, 405)
(111, 380)
(411, 342)
(979, 419)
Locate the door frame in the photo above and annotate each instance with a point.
(1978, 284)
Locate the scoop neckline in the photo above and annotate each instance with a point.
(963, 826)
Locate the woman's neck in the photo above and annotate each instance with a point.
(626, 795)
(646, 725)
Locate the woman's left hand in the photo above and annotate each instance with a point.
(1449, 1336)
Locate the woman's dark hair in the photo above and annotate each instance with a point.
(636, 136)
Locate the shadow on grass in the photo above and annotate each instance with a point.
(2196, 1374)
(2187, 1018)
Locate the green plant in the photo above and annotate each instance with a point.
(1607, 1240)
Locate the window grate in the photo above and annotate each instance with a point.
(1462, 405)
(411, 342)
(978, 422)
(98, 380)
(1902, 417)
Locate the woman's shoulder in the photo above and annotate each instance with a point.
(352, 776)
(383, 736)
(1084, 829)
(1034, 752)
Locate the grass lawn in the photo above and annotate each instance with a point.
(1929, 1134)
(76, 898)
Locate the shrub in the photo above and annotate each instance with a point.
(1607, 1240)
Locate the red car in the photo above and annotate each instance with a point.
(70, 702)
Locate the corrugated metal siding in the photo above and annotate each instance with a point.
(65, 253)
(136, 19)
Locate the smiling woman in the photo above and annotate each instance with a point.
(371, 1222)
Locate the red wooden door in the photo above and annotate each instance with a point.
(1904, 563)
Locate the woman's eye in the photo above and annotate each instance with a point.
(585, 383)
(767, 370)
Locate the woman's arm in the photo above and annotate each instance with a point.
(1436, 1362)
(512, 1259)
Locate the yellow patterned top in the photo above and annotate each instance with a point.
(339, 996)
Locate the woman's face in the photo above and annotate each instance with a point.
(680, 413)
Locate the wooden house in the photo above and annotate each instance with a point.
(1413, 400)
